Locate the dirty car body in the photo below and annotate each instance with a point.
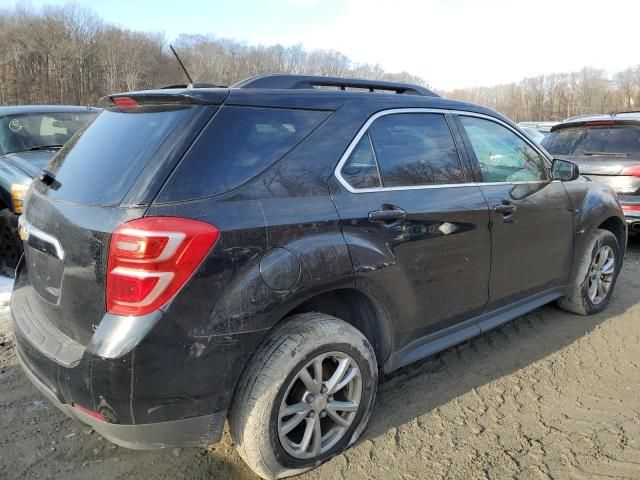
(309, 218)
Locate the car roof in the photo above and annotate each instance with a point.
(308, 92)
(21, 109)
(320, 99)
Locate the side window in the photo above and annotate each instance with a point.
(414, 149)
(502, 155)
(238, 144)
(360, 170)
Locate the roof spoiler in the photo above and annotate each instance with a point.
(287, 82)
(139, 99)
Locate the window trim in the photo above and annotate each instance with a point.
(442, 111)
(375, 158)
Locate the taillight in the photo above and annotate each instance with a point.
(151, 258)
(631, 170)
(630, 208)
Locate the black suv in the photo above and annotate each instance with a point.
(607, 149)
(259, 252)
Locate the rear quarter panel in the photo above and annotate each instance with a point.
(280, 244)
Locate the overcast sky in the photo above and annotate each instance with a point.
(450, 43)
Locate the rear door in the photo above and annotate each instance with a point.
(417, 229)
(531, 216)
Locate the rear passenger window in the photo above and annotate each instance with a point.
(415, 149)
(404, 150)
(238, 144)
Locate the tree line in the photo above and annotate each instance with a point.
(560, 95)
(68, 55)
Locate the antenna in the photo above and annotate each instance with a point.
(181, 64)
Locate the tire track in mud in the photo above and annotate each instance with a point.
(550, 395)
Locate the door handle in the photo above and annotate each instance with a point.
(387, 214)
(505, 207)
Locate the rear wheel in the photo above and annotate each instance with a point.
(305, 397)
(10, 244)
(596, 276)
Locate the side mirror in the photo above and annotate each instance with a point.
(564, 170)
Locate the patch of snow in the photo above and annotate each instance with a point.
(6, 286)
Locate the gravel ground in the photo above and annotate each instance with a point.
(550, 395)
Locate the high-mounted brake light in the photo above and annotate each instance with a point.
(595, 123)
(631, 170)
(124, 102)
(151, 258)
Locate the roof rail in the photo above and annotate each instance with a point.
(283, 81)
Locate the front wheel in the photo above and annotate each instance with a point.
(305, 397)
(596, 275)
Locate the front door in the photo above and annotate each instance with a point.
(531, 216)
(415, 223)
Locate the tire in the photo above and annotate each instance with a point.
(273, 377)
(10, 243)
(579, 298)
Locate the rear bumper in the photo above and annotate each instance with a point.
(153, 384)
(194, 431)
(156, 381)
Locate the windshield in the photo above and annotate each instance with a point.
(32, 131)
(594, 140)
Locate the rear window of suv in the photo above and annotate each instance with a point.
(238, 144)
(591, 140)
(99, 164)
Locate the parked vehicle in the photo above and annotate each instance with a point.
(542, 127)
(29, 137)
(257, 253)
(607, 148)
(534, 134)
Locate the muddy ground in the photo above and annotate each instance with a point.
(550, 395)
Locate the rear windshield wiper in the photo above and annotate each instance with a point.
(39, 147)
(606, 154)
(43, 147)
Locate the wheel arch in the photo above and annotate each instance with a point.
(359, 310)
(618, 228)
(596, 207)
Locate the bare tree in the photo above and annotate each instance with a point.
(67, 54)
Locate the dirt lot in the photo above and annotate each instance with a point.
(550, 395)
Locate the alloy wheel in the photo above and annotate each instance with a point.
(600, 275)
(319, 405)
